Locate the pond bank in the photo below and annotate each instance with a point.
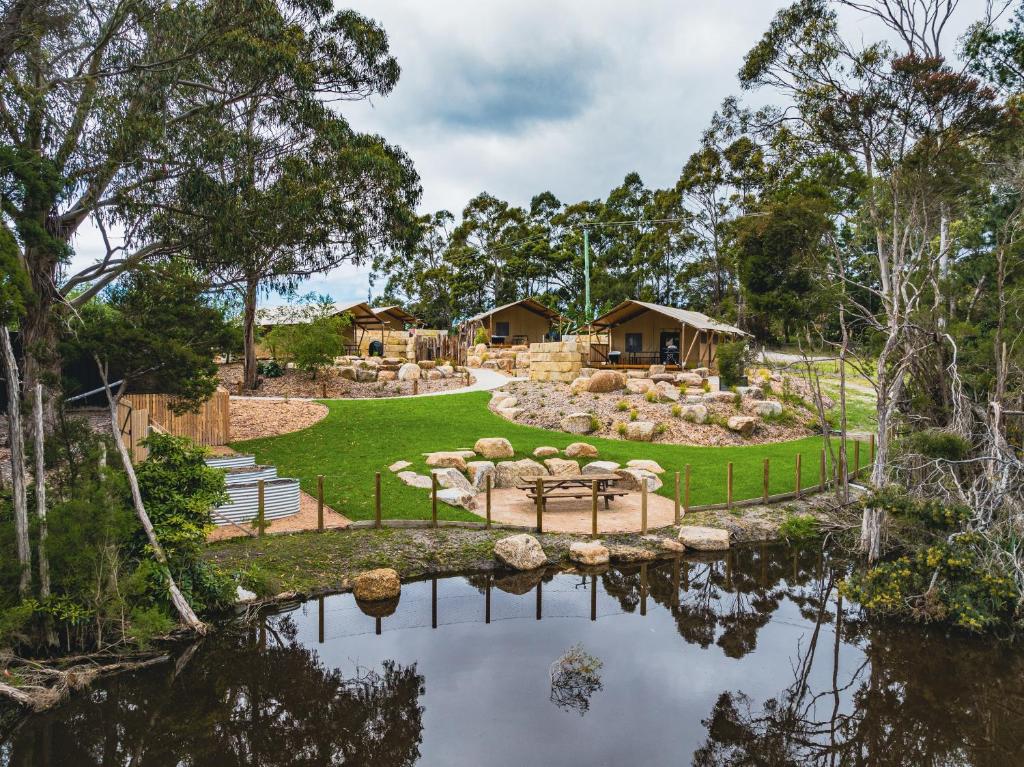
(309, 564)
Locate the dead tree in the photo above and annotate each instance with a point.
(17, 440)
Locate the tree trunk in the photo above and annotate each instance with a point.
(40, 472)
(249, 329)
(17, 440)
(39, 337)
(185, 611)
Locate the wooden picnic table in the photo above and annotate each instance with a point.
(572, 486)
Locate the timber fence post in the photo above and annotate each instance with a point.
(320, 502)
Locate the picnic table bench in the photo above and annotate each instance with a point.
(572, 486)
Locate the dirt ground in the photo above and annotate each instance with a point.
(330, 386)
(252, 419)
(545, 404)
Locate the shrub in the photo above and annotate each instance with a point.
(270, 369)
(705, 385)
(633, 414)
(312, 345)
(800, 528)
(732, 361)
(676, 411)
(621, 429)
(938, 444)
(622, 406)
(594, 423)
(660, 428)
(651, 397)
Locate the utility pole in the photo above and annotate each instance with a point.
(586, 272)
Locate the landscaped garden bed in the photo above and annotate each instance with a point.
(361, 379)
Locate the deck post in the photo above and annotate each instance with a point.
(798, 462)
(376, 502)
(593, 508)
(320, 503)
(540, 505)
(261, 506)
(765, 477)
(676, 501)
(728, 485)
(643, 506)
(433, 499)
(488, 501)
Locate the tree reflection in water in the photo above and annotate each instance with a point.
(247, 706)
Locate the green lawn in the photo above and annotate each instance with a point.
(361, 437)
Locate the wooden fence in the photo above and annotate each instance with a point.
(210, 425)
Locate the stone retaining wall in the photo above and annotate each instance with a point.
(557, 361)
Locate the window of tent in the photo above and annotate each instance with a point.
(634, 342)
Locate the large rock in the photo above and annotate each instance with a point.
(641, 431)
(751, 392)
(562, 467)
(508, 473)
(634, 479)
(349, 374)
(768, 408)
(472, 361)
(399, 466)
(654, 370)
(387, 375)
(410, 371)
(507, 402)
(589, 553)
(581, 450)
(433, 374)
(479, 471)
(494, 447)
(742, 424)
(427, 364)
(600, 467)
(690, 379)
(545, 451)
(520, 552)
(694, 413)
(480, 350)
(579, 385)
(377, 585)
(667, 392)
(639, 385)
(604, 381)
(652, 466)
(446, 371)
(664, 377)
(455, 496)
(704, 538)
(577, 423)
(630, 554)
(453, 478)
(499, 396)
(446, 460)
(412, 479)
(719, 396)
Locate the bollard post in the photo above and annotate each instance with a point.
(433, 499)
(488, 501)
(765, 476)
(676, 501)
(376, 502)
(261, 509)
(728, 485)
(593, 508)
(856, 457)
(323, 390)
(320, 502)
(643, 506)
(241, 387)
(821, 471)
(540, 505)
(798, 459)
(686, 491)
(871, 446)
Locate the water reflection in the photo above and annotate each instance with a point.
(746, 660)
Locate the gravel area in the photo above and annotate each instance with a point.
(252, 419)
(296, 384)
(545, 404)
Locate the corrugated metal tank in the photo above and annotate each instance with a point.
(280, 498)
(230, 461)
(245, 474)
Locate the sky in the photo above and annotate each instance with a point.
(516, 97)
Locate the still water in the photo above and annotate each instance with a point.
(751, 659)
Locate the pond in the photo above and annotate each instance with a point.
(739, 660)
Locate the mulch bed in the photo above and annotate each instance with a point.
(252, 419)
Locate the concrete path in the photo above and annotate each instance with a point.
(486, 380)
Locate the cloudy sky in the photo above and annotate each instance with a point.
(515, 97)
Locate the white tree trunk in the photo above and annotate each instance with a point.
(185, 611)
(40, 472)
(17, 440)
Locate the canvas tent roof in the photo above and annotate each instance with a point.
(394, 312)
(361, 313)
(529, 304)
(629, 309)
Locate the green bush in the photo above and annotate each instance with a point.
(938, 443)
(481, 336)
(800, 528)
(270, 369)
(311, 345)
(732, 361)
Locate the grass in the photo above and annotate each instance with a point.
(361, 437)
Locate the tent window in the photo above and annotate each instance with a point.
(634, 342)
(501, 329)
